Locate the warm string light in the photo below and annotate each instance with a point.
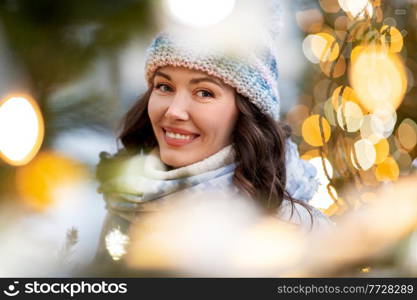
(116, 243)
(21, 129)
(362, 110)
(38, 181)
(251, 244)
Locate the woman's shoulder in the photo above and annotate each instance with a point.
(307, 217)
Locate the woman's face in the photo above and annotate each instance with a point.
(192, 114)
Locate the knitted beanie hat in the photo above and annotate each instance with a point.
(252, 71)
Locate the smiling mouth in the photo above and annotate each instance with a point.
(178, 139)
(180, 136)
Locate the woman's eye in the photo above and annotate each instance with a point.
(205, 94)
(163, 87)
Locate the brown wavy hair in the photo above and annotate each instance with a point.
(259, 144)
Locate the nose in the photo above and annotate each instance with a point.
(178, 108)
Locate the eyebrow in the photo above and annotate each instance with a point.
(194, 80)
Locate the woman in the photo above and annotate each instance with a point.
(209, 121)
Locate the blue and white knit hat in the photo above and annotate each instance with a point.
(252, 72)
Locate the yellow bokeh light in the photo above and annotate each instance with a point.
(355, 53)
(320, 47)
(359, 31)
(328, 51)
(310, 154)
(21, 129)
(268, 244)
(387, 170)
(378, 78)
(407, 134)
(342, 94)
(37, 181)
(350, 116)
(311, 130)
(382, 151)
(363, 155)
(392, 38)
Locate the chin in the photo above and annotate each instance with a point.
(174, 160)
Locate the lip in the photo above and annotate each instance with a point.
(178, 130)
(176, 142)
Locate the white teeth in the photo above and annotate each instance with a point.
(178, 136)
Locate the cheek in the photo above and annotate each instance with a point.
(219, 127)
(154, 110)
(229, 115)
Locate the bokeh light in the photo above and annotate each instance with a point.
(320, 47)
(21, 130)
(342, 94)
(378, 78)
(357, 8)
(38, 181)
(349, 116)
(334, 69)
(355, 52)
(260, 247)
(388, 116)
(311, 130)
(310, 154)
(322, 199)
(184, 234)
(387, 170)
(116, 243)
(407, 134)
(200, 13)
(329, 112)
(392, 38)
(382, 151)
(372, 128)
(363, 154)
